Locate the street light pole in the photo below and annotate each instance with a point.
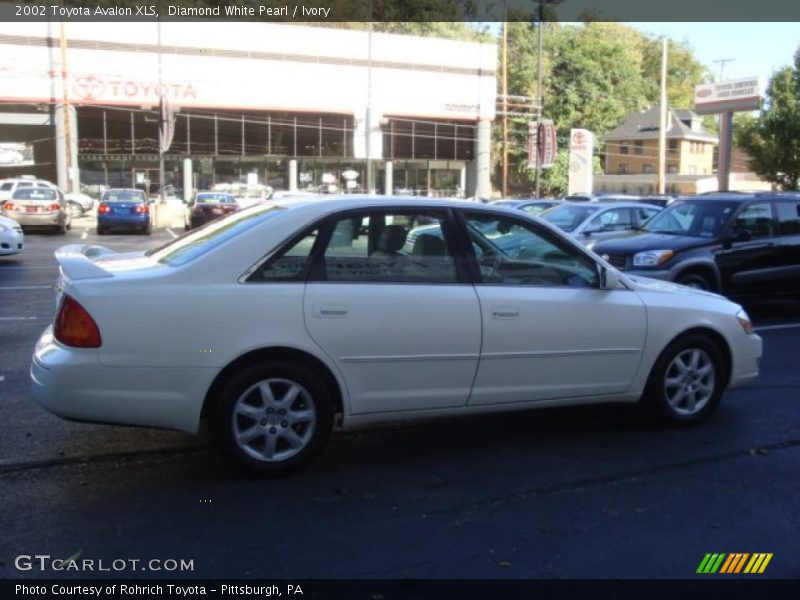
(65, 111)
(368, 115)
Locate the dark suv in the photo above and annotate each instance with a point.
(736, 244)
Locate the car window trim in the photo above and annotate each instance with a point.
(326, 225)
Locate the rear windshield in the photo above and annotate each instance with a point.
(200, 241)
(216, 198)
(35, 194)
(124, 196)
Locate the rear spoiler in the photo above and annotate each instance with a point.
(77, 261)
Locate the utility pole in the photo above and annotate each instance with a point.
(722, 62)
(65, 110)
(162, 126)
(505, 106)
(539, 98)
(662, 130)
(368, 115)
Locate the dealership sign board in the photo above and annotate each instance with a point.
(251, 66)
(723, 96)
(581, 149)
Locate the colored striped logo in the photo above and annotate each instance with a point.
(731, 564)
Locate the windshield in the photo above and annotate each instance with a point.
(35, 194)
(216, 198)
(124, 196)
(188, 247)
(695, 218)
(568, 218)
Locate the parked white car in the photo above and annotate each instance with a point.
(12, 239)
(274, 320)
(9, 186)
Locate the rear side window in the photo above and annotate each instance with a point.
(6, 186)
(757, 219)
(291, 264)
(389, 247)
(788, 217)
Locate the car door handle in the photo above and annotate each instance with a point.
(505, 313)
(330, 310)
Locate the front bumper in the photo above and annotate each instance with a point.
(746, 356)
(72, 383)
(11, 242)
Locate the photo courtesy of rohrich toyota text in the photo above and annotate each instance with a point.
(399, 299)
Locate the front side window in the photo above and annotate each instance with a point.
(757, 219)
(389, 247)
(512, 252)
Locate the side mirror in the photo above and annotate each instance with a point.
(609, 278)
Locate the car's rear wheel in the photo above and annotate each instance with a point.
(101, 230)
(687, 381)
(272, 419)
(74, 209)
(695, 280)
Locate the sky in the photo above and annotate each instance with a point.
(758, 49)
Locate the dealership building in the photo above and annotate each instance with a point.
(292, 107)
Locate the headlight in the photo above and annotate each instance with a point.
(652, 258)
(744, 321)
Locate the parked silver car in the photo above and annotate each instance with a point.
(591, 221)
(39, 207)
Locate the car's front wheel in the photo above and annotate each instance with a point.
(272, 419)
(687, 381)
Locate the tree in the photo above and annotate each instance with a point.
(773, 138)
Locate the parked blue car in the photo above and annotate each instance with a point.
(124, 209)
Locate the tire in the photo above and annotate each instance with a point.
(687, 381)
(695, 280)
(61, 229)
(250, 430)
(101, 230)
(75, 210)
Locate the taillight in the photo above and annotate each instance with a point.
(142, 208)
(103, 208)
(74, 326)
(54, 206)
(8, 206)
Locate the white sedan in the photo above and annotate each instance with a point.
(11, 237)
(282, 319)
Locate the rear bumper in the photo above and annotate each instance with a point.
(38, 220)
(72, 384)
(124, 222)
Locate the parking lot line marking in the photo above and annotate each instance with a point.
(18, 318)
(14, 288)
(2, 378)
(172, 233)
(774, 327)
(85, 234)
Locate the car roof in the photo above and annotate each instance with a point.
(743, 196)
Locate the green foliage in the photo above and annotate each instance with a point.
(773, 138)
(595, 75)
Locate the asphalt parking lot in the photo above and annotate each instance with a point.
(589, 492)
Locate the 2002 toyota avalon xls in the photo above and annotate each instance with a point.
(373, 310)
